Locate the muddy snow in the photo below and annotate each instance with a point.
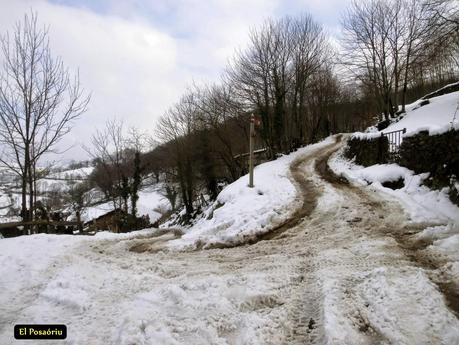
(353, 269)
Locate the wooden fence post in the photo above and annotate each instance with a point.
(251, 143)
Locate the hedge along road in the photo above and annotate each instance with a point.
(342, 271)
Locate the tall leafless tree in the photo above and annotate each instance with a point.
(177, 127)
(390, 44)
(39, 100)
(108, 149)
(272, 77)
(367, 48)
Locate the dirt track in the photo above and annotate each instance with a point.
(317, 240)
(312, 264)
(334, 217)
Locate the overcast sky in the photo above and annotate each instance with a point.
(137, 56)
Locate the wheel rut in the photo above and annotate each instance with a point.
(309, 191)
(297, 260)
(306, 188)
(412, 248)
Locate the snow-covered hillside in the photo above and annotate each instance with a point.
(69, 174)
(435, 115)
(55, 182)
(438, 116)
(151, 202)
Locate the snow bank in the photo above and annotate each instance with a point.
(24, 260)
(450, 244)
(405, 307)
(108, 235)
(240, 212)
(204, 311)
(433, 233)
(366, 135)
(444, 242)
(383, 173)
(435, 117)
(421, 203)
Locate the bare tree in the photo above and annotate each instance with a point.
(367, 48)
(260, 76)
(311, 57)
(389, 44)
(78, 197)
(108, 149)
(273, 75)
(119, 165)
(138, 140)
(39, 100)
(177, 127)
(218, 117)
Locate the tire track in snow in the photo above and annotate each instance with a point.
(281, 279)
(318, 230)
(384, 217)
(403, 235)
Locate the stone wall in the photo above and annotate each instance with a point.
(368, 151)
(435, 154)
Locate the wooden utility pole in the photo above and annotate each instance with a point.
(252, 138)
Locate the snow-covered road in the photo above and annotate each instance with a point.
(342, 272)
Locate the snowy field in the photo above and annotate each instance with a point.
(79, 173)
